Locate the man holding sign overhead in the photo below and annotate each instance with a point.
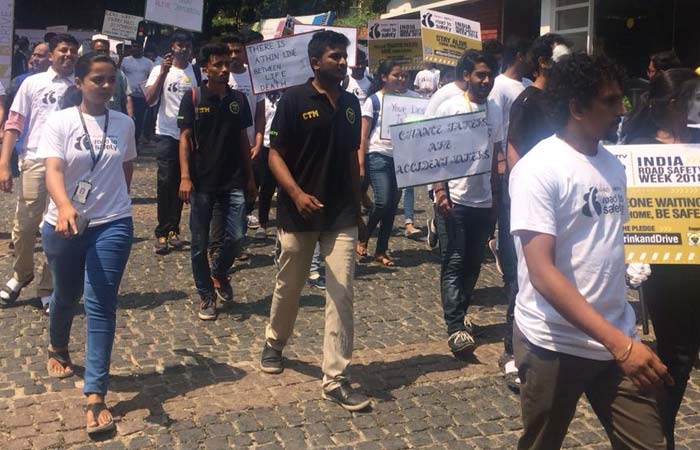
(466, 206)
(314, 139)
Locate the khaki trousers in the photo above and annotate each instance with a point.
(551, 385)
(338, 252)
(31, 204)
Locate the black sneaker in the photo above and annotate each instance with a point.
(271, 360)
(207, 307)
(174, 240)
(161, 246)
(223, 289)
(510, 372)
(347, 398)
(432, 233)
(461, 341)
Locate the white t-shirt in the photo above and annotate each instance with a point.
(270, 109)
(177, 83)
(241, 82)
(441, 96)
(376, 143)
(63, 137)
(581, 201)
(474, 191)
(137, 71)
(505, 91)
(427, 79)
(37, 97)
(359, 88)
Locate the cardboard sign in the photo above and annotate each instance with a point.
(663, 198)
(441, 149)
(120, 25)
(446, 37)
(7, 8)
(398, 109)
(279, 63)
(185, 14)
(348, 32)
(398, 40)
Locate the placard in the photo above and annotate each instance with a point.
(7, 8)
(663, 198)
(441, 149)
(279, 63)
(185, 14)
(348, 32)
(398, 109)
(398, 40)
(445, 37)
(120, 25)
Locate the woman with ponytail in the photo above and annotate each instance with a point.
(377, 156)
(87, 232)
(671, 292)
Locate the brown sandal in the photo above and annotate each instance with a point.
(63, 358)
(384, 260)
(361, 249)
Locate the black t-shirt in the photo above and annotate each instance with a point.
(317, 142)
(216, 164)
(529, 123)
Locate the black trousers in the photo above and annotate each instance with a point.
(672, 295)
(140, 107)
(266, 184)
(168, 198)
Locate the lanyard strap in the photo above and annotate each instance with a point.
(91, 148)
(469, 104)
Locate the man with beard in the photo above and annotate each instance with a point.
(575, 332)
(314, 140)
(36, 99)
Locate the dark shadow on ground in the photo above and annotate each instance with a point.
(176, 380)
(143, 201)
(241, 312)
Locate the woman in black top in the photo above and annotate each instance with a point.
(672, 292)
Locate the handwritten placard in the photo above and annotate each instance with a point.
(120, 25)
(279, 63)
(441, 149)
(348, 32)
(398, 109)
(179, 13)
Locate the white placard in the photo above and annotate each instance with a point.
(441, 149)
(279, 63)
(398, 109)
(6, 34)
(120, 25)
(348, 32)
(185, 14)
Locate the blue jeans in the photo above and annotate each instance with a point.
(408, 201)
(463, 234)
(232, 204)
(90, 265)
(382, 177)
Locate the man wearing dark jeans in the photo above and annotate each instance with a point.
(466, 206)
(215, 169)
(169, 82)
(137, 67)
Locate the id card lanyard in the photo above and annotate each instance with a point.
(84, 187)
(469, 104)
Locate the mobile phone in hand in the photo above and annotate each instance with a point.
(82, 223)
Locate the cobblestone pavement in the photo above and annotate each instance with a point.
(180, 383)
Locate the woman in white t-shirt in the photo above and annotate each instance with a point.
(377, 156)
(88, 231)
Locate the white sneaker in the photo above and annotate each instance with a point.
(260, 234)
(253, 222)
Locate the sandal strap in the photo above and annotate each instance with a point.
(95, 409)
(63, 357)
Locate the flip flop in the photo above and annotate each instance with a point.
(63, 358)
(361, 249)
(384, 260)
(96, 409)
(10, 295)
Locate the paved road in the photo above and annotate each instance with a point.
(179, 383)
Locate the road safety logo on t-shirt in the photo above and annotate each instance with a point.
(604, 201)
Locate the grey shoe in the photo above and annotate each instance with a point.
(207, 307)
(271, 360)
(461, 341)
(348, 398)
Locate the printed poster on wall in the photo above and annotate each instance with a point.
(185, 14)
(445, 37)
(398, 40)
(663, 197)
(348, 32)
(441, 149)
(7, 11)
(279, 63)
(119, 25)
